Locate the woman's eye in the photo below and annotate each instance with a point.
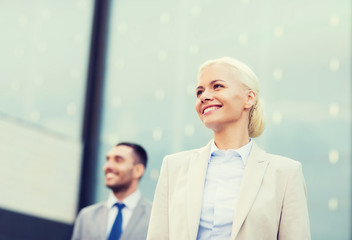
(217, 86)
(199, 92)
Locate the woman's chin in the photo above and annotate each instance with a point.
(214, 126)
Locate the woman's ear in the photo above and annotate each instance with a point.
(251, 98)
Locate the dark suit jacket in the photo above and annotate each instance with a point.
(92, 220)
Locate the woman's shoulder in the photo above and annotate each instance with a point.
(187, 155)
(279, 161)
(284, 164)
(183, 154)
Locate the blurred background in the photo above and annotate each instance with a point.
(78, 76)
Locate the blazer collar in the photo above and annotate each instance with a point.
(198, 165)
(250, 185)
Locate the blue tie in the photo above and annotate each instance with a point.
(116, 229)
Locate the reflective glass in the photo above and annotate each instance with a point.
(44, 56)
(301, 52)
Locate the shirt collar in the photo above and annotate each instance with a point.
(131, 201)
(242, 151)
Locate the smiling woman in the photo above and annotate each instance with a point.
(229, 189)
(222, 100)
(232, 81)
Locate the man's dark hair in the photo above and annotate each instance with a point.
(138, 150)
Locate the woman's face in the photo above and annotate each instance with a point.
(222, 101)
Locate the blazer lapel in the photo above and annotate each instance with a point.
(101, 220)
(196, 176)
(251, 182)
(137, 214)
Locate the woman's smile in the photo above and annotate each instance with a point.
(209, 109)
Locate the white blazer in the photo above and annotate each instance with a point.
(272, 202)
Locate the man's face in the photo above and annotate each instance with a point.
(120, 168)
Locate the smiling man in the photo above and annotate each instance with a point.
(125, 215)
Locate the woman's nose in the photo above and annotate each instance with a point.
(206, 96)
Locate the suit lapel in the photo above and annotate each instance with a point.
(251, 182)
(101, 220)
(196, 177)
(137, 214)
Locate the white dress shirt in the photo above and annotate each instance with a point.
(131, 202)
(221, 188)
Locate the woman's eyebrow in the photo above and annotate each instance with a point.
(216, 80)
(211, 83)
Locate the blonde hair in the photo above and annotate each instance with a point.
(248, 78)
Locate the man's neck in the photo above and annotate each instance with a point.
(121, 195)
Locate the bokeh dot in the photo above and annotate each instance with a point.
(243, 39)
(196, 10)
(193, 49)
(162, 55)
(78, 39)
(277, 74)
(278, 31)
(71, 109)
(74, 74)
(333, 204)
(154, 174)
(333, 156)
(122, 27)
(159, 94)
(112, 140)
(165, 18)
(119, 64)
(189, 130)
(334, 20)
(82, 4)
(157, 134)
(334, 109)
(38, 81)
(116, 102)
(45, 13)
(277, 118)
(334, 64)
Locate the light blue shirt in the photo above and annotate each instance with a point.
(221, 188)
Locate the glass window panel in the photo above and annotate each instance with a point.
(301, 52)
(45, 49)
(44, 56)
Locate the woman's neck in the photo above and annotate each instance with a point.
(231, 138)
